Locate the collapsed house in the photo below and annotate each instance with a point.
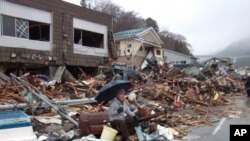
(37, 34)
(170, 97)
(136, 45)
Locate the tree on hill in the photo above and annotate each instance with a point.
(123, 20)
(152, 23)
(175, 42)
(126, 20)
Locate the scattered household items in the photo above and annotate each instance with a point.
(108, 133)
(92, 122)
(167, 101)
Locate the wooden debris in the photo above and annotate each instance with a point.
(200, 110)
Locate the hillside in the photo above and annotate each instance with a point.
(238, 51)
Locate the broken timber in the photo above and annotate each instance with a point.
(42, 97)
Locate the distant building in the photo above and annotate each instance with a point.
(177, 58)
(52, 32)
(134, 46)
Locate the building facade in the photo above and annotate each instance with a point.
(52, 32)
(177, 58)
(134, 46)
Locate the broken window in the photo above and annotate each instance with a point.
(21, 28)
(8, 26)
(92, 39)
(88, 38)
(77, 36)
(39, 31)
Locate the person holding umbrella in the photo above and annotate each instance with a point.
(118, 110)
(114, 91)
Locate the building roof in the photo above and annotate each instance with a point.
(128, 34)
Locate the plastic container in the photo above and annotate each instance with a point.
(16, 126)
(108, 133)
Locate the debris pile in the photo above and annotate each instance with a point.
(179, 97)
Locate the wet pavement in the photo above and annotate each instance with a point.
(219, 131)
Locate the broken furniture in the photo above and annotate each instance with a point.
(92, 123)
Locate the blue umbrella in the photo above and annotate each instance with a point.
(109, 90)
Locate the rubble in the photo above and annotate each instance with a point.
(183, 98)
(4, 79)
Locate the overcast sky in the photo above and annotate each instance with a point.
(208, 25)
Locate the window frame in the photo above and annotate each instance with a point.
(28, 21)
(2, 26)
(16, 31)
(80, 36)
(83, 30)
(158, 51)
(129, 45)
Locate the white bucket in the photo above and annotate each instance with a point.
(108, 133)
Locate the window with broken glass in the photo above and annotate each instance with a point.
(21, 28)
(88, 38)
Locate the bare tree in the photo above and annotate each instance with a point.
(152, 23)
(83, 3)
(129, 20)
(123, 20)
(175, 42)
(108, 7)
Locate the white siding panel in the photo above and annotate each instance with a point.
(78, 49)
(174, 56)
(89, 26)
(24, 12)
(93, 27)
(24, 43)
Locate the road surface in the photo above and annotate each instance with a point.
(219, 131)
